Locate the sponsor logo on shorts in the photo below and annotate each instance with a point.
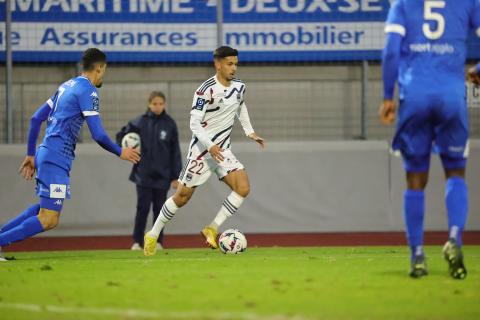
(58, 191)
(456, 148)
(189, 177)
(58, 202)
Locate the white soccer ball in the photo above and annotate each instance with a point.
(232, 241)
(131, 140)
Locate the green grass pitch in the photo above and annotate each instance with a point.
(262, 283)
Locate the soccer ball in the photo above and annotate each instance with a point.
(232, 241)
(131, 140)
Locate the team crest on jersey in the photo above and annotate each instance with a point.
(199, 104)
(95, 103)
(163, 135)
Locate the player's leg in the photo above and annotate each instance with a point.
(194, 173)
(169, 208)
(29, 212)
(52, 188)
(159, 197)
(144, 200)
(452, 143)
(456, 200)
(46, 218)
(414, 212)
(233, 173)
(240, 186)
(413, 139)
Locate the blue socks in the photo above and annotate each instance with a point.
(456, 200)
(30, 226)
(414, 211)
(29, 212)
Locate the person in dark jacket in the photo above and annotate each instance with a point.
(160, 165)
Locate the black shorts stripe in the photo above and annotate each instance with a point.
(180, 177)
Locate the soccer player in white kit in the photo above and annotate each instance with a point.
(216, 104)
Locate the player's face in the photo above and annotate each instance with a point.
(227, 67)
(157, 105)
(100, 72)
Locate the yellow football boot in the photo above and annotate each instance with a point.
(210, 235)
(149, 245)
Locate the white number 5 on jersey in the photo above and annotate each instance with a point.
(429, 14)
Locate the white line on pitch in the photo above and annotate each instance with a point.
(136, 313)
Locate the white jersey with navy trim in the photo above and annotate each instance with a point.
(217, 106)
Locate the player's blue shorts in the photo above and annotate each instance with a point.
(437, 121)
(53, 181)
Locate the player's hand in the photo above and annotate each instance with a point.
(27, 168)
(473, 76)
(174, 184)
(257, 139)
(130, 154)
(387, 112)
(216, 153)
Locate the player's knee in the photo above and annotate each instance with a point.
(451, 173)
(48, 218)
(243, 190)
(181, 199)
(417, 180)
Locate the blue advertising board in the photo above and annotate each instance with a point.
(186, 30)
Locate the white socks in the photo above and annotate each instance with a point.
(228, 208)
(166, 214)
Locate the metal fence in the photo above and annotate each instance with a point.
(318, 92)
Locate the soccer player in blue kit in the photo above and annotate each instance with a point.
(425, 51)
(74, 102)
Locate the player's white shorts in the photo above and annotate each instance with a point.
(196, 172)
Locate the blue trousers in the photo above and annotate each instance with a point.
(147, 198)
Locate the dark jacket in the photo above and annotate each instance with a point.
(161, 161)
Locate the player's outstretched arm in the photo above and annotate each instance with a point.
(101, 137)
(257, 139)
(244, 119)
(27, 168)
(390, 62)
(473, 75)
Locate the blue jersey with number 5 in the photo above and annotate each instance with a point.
(434, 40)
(74, 99)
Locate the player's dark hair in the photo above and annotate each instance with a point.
(224, 51)
(155, 94)
(92, 56)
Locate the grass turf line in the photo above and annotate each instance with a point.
(262, 283)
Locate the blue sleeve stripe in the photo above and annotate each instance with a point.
(396, 28)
